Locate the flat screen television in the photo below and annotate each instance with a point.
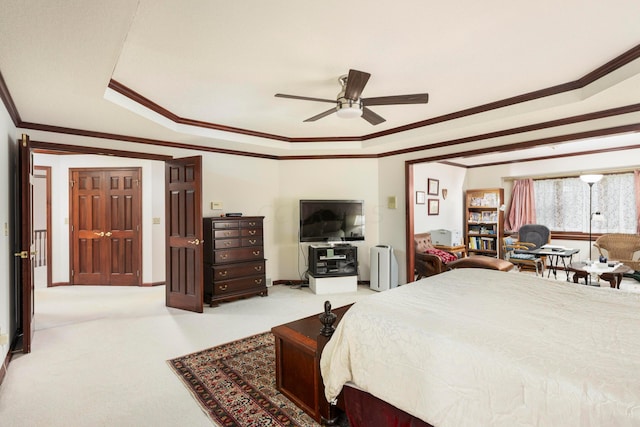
(331, 220)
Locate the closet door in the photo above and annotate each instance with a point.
(105, 226)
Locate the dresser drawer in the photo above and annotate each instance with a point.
(226, 243)
(238, 285)
(234, 271)
(250, 232)
(251, 241)
(226, 233)
(224, 224)
(235, 255)
(251, 223)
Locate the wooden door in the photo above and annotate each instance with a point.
(105, 226)
(183, 183)
(25, 242)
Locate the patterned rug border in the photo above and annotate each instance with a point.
(186, 368)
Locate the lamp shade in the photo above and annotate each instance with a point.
(591, 178)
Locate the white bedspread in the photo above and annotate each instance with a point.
(485, 348)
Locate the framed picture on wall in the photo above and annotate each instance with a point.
(434, 207)
(433, 187)
(419, 197)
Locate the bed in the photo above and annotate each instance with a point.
(473, 347)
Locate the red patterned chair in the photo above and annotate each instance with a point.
(428, 259)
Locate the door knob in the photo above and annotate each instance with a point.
(24, 254)
(194, 242)
(108, 234)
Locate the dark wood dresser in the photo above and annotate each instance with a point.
(234, 264)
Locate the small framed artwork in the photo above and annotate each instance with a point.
(434, 207)
(433, 187)
(419, 197)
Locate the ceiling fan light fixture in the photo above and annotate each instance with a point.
(348, 109)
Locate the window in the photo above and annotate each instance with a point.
(563, 204)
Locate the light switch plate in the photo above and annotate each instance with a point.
(216, 205)
(392, 202)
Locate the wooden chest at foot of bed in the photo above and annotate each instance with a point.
(298, 349)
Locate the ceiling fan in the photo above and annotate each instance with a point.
(349, 104)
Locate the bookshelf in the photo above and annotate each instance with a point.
(484, 221)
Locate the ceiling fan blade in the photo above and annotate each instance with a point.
(321, 115)
(304, 98)
(372, 117)
(356, 81)
(417, 98)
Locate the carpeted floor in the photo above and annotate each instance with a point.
(235, 384)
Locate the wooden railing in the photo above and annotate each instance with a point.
(40, 241)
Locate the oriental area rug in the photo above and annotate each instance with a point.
(235, 384)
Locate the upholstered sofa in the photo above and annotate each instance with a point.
(620, 247)
(428, 259)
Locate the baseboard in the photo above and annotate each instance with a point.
(3, 368)
(306, 282)
(152, 284)
(60, 284)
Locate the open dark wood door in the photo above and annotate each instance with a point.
(26, 245)
(183, 183)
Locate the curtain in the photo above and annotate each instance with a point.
(522, 209)
(562, 204)
(636, 179)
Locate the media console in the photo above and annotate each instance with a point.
(333, 268)
(333, 260)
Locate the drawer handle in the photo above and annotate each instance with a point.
(222, 273)
(227, 233)
(252, 224)
(258, 268)
(223, 287)
(256, 253)
(227, 243)
(224, 256)
(258, 281)
(252, 232)
(252, 241)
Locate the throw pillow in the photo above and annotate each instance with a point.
(444, 256)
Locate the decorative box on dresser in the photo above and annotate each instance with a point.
(234, 264)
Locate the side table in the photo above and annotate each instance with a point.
(613, 277)
(298, 349)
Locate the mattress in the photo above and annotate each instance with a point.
(475, 347)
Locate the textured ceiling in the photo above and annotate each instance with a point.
(217, 64)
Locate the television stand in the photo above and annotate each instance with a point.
(333, 268)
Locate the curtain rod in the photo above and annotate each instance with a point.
(573, 174)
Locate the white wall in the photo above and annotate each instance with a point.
(324, 179)
(451, 208)
(7, 149)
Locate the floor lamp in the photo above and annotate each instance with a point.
(591, 179)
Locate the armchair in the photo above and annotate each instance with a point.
(428, 259)
(530, 236)
(620, 247)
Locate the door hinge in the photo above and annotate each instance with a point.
(138, 273)
(137, 182)
(72, 273)
(72, 183)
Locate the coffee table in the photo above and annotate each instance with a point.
(613, 277)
